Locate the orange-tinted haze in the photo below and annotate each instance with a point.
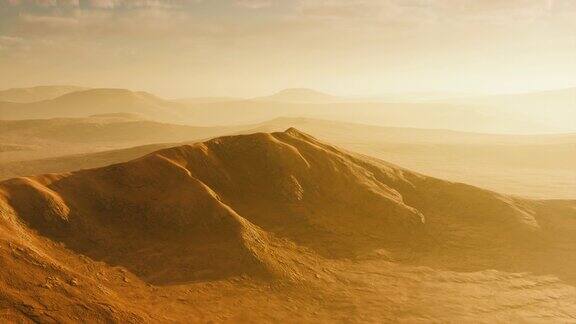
(182, 48)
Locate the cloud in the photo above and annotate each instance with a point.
(97, 4)
(254, 4)
(437, 10)
(40, 3)
(113, 4)
(341, 9)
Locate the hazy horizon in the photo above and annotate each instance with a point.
(416, 95)
(249, 48)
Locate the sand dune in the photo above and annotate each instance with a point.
(283, 210)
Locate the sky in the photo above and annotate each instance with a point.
(186, 48)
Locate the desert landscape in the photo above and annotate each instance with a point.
(264, 161)
(118, 217)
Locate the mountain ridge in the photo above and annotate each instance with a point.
(263, 215)
(38, 93)
(297, 157)
(301, 95)
(95, 101)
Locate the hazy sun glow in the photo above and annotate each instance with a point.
(181, 48)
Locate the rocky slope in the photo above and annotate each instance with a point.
(282, 208)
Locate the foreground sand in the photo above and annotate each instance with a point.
(278, 227)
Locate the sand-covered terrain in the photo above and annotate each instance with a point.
(273, 161)
(275, 227)
(120, 206)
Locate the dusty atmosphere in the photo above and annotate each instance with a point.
(271, 161)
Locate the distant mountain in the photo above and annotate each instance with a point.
(418, 115)
(200, 100)
(462, 116)
(95, 101)
(301, 95)
(549, 97)
(42, 138)
(554, 109)
(39, 93)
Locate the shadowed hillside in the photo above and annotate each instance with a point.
(282, 208)
(204, 186)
